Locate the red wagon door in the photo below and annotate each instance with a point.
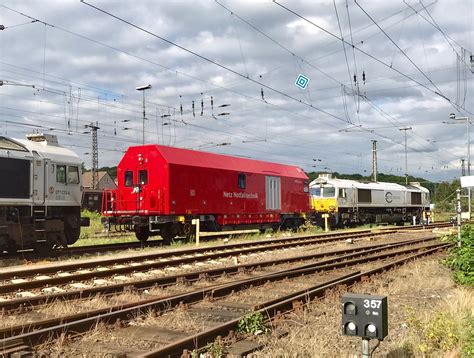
(273, 193)
(133, 196)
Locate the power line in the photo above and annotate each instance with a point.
(398, 47)
(214, 62)
(345, 53)
(124, 52)
(355, 61)
(364, 28)
(436, 26)
(369, 55)
(221, 66)
(186, 124)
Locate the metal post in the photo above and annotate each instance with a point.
(326, 224)
(453, 116)
(197, 223)
(143, 89)
(374, 160)
(406, 159)
(94, 154)
(458, 212)
(468, 166)
(144, 116)
(365, 348)
(405, 129)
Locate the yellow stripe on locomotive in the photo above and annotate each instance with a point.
(324, 205)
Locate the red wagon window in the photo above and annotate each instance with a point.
(143, 177)
(128, 178)
(241, 181)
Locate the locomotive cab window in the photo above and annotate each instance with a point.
(61, 174)
(241, 181)
(143, 177)
(342, 193)
(329, 192)
(316, 191)
(128, 178)
(72, 175)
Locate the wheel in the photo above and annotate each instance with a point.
(168, 233)
(141, 233)
(189, 231)
(72, 228)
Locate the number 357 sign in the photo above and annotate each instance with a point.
(364, 316)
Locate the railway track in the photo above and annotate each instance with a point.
(341, 260)
(182, 256)
(104, 248)
(31, 301)
(34, 286)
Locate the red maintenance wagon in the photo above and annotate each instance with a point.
(162, 189)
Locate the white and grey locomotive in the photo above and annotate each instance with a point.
(40, 194)
(350, 202)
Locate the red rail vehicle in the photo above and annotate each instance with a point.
(162, 189)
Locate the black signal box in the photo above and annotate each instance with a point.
(365, 316)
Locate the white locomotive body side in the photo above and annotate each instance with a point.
(351, 201)
(40, 193)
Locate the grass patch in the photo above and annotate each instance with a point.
(450, 329)
(94, 227)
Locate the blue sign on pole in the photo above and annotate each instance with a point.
(302, 81)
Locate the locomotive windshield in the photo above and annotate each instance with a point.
(316, 191)
(324, 192)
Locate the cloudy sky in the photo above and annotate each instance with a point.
(400, 64)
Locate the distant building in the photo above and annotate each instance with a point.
(105, 181)
(92, 199)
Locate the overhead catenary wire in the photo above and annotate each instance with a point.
(102, 104)
(303, 60)
(214, 62)
(247, 138)
(433, 22)
(357, 84)
(241, 94)
(371, 56)
(345, 53)
(438, 91)
(67, 31)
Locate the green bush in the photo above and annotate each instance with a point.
(461, 259)
(252, 323)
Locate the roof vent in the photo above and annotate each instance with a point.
(414, 183)
(49, 139)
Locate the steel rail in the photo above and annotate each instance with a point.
(30, 302)
(212, 253)
(103, 248)
(94, 249)
(37, 335)
(138, 257)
